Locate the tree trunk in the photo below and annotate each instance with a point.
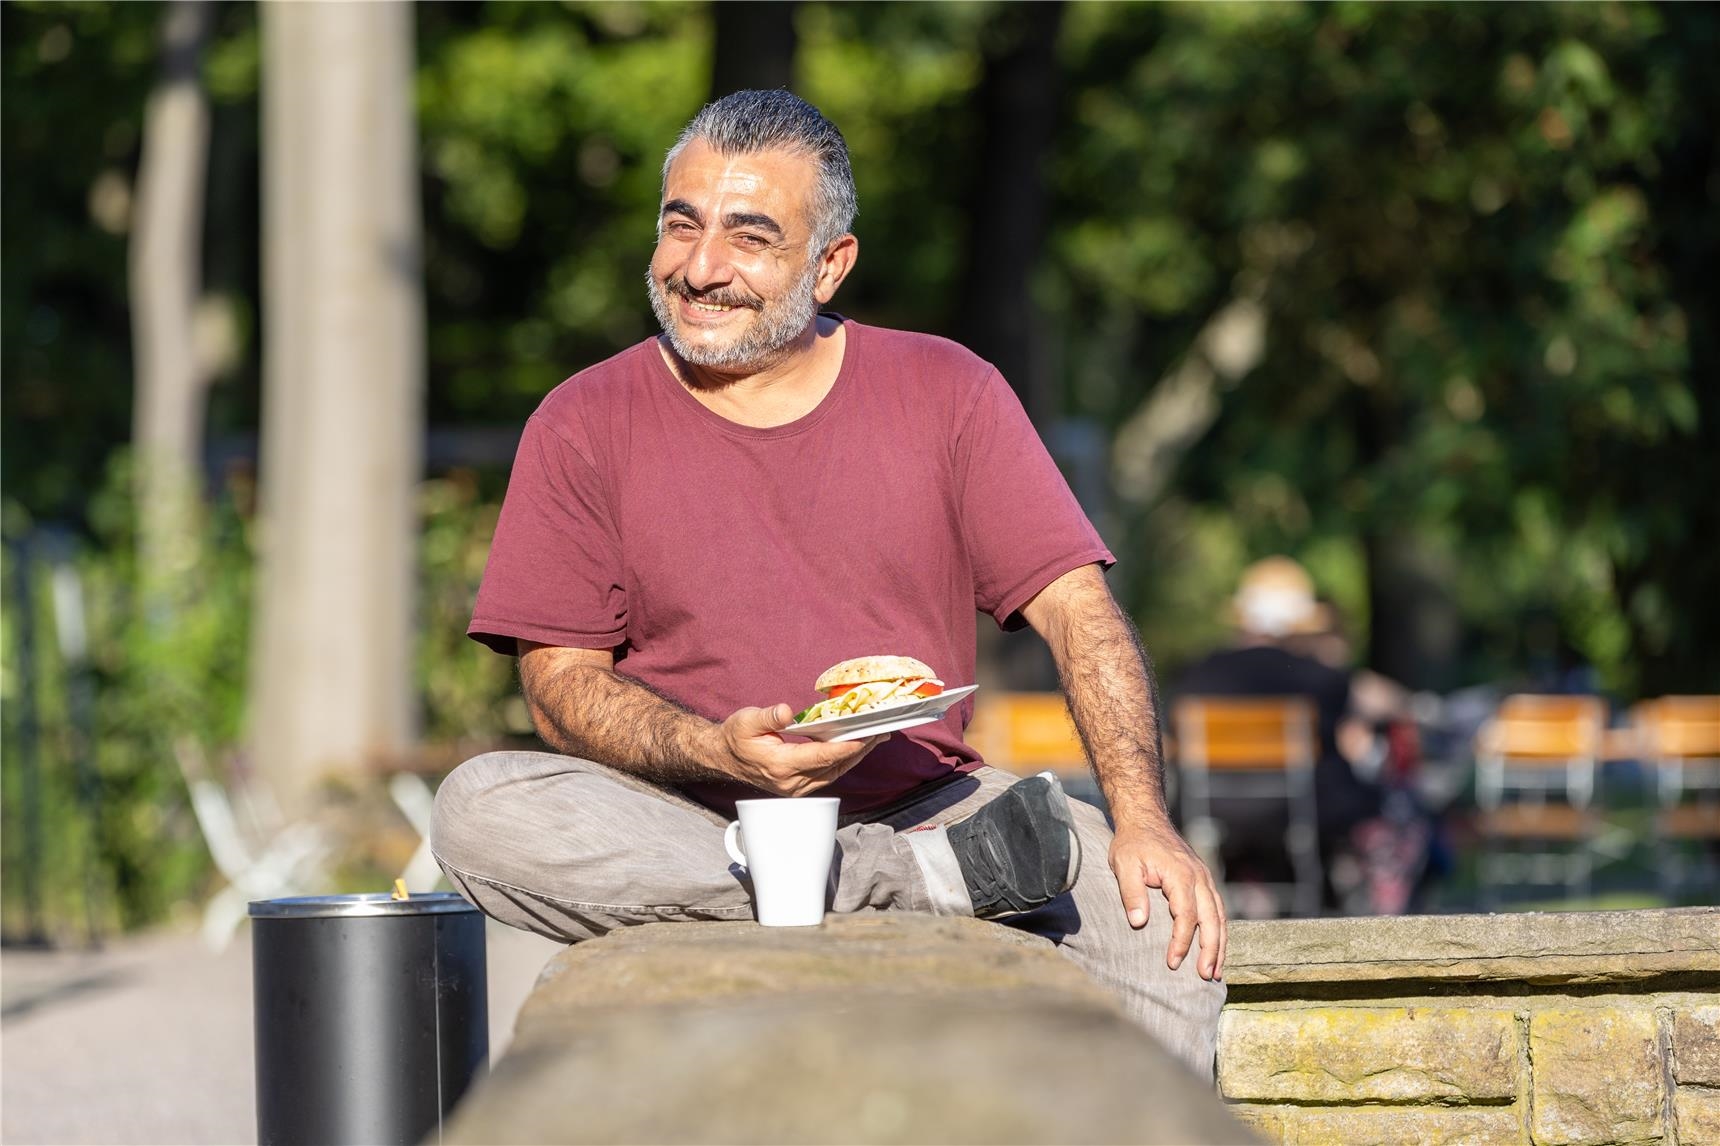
(1673, 643)
(754, 46)
(1414, 629)
(332, 679)
(165, 275)
(1006, 206)
(1183, 405)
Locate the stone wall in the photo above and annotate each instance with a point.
(877, 1028)
(1545, 1029)
(1552, 1029)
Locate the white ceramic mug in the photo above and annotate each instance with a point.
(789, 845)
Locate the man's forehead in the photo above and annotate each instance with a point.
(701, 168)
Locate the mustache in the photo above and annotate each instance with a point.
(677, 285)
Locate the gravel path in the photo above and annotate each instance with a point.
(149, 1040)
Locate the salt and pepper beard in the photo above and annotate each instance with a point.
(778, 323)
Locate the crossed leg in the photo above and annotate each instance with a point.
(572, 849)
(1088, 925)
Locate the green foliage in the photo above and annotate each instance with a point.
(1443, 210)
(470, 695)
(73, 78)
(118, 838)
(543, 129)
(133, 850)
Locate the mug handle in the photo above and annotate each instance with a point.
(731, 843)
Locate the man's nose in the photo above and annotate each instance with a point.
(708, 263)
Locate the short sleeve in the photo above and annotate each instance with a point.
(555, 572)
(1021, 524)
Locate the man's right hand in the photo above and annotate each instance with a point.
(749, 746)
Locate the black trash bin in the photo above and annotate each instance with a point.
(372, 1015)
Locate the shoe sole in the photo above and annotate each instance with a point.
(1060, 809)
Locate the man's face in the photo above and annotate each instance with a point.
(734, 280)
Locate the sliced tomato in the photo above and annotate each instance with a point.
(929, 688)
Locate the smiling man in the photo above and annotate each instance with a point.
(696, 528)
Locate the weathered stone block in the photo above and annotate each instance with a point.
(1697, 1113)
(1265, 1121)
(1532, 947)
(1596, 1076)
(886, 1028)
(1394, 1126)
(1696, 1046)
(1361, 1054)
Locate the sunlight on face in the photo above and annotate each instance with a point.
(733, 281)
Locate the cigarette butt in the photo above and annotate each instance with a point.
(400, 891)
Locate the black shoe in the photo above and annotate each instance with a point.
(1019, 851)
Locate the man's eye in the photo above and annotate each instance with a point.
(681, 229)
(751, 242)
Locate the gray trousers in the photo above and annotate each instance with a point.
(571, 849)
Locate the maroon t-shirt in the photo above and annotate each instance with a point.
(729, 566)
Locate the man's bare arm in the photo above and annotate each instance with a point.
(582, 707)
(1108, 683)
(1109, 686)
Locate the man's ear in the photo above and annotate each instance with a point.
(833, 267)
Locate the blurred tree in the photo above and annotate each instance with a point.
(343, 424)
(1442, 212)
(1005, 205)
(753, 45)
(165, 283)
(1666, 578)
(544, 128)
(74, 80)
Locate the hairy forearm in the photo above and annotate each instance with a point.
(594, 713)
(1108, 682)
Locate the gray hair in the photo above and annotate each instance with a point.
(752, 121)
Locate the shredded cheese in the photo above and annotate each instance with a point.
(865, 697)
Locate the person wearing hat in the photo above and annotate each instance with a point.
(1275, 611)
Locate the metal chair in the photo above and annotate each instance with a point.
(417, 802)
(260, 860)
(1679, 741)
(1252, 749)
(1535, 764)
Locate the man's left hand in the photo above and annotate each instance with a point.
(1143, 857)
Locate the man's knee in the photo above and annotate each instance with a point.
(468, 813)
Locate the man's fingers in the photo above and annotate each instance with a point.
(1223, 932)
(846, 754)
(1134, 893)
(1184, 916)
(835, 761)
(1223, 942)
(750, 722)
(1212, 931)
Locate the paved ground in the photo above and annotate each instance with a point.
(149, 1040)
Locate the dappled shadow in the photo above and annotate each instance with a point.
(51, 994)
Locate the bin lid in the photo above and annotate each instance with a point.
(369, 903)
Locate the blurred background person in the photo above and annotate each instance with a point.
(1373, 848)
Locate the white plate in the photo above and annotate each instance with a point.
(890, 718)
